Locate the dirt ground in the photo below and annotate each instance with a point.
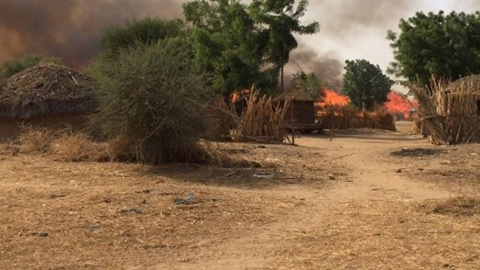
(362, 199)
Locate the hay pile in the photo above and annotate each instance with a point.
(346, 117)
(450, 111)
(46, 89)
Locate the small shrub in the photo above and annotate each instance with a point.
(151, 99)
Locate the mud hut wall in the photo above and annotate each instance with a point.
(10, 128)
(303, 112)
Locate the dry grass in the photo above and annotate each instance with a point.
(455, 167)
(35, 140)
(59, 215)
(67, 145)
(384, 235)
(78, 147)
(64, 144)
(69, 214)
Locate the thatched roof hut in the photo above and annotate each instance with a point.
(452, 114)
(47, 95)
(472, 81)
(300, 114)
(461, 96)
(46, 89)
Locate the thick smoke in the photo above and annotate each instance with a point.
(344, 20)
(69, 29)
(344, 26)
(326, 66)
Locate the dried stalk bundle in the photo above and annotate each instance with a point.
(262, 120)
(344, 117)
(450, 112)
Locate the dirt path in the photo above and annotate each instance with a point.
(340, 204)
(374, 184)
(373, 176)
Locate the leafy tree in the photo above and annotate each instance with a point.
(282, 21)
(151, 99)
(241, 45)
(12, 67)
(447, 46)
(225, 43)
(308, 83)
(365, 84)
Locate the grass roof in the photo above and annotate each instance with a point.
(46, 89)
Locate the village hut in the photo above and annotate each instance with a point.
(460, 97)
(451, 114)
(45, 95)
(300, 114)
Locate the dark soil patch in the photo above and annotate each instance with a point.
(415, 152)
(460, 206)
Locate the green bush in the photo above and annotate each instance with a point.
(12, 67)
(151, 99)
(145, 31)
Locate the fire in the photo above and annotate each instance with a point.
(330, 99)
(237, 94)
(398, 104)
(334, 98)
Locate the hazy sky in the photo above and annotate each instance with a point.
(356, 29)
(350, 29)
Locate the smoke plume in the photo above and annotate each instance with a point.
(350, 29)
(326, 66)
(69, 29)
(344, 20)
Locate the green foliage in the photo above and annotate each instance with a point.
(144, 31)
(446, 46)
(280, 20)
(309, 83)
(241, 45)
(12, 67)
(365, 84)
(151, 99)
(225, 44)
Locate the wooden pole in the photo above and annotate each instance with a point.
(292, 115)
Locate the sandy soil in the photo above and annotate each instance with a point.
(364, 200)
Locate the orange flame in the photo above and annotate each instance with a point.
(334, 98)
(237, 94)
(398, 104)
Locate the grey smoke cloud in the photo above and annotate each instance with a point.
(69, 28)
(343, 19)
(350, 29)
(326, 66)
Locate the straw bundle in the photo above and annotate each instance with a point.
(262, 120)
(450, 111)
